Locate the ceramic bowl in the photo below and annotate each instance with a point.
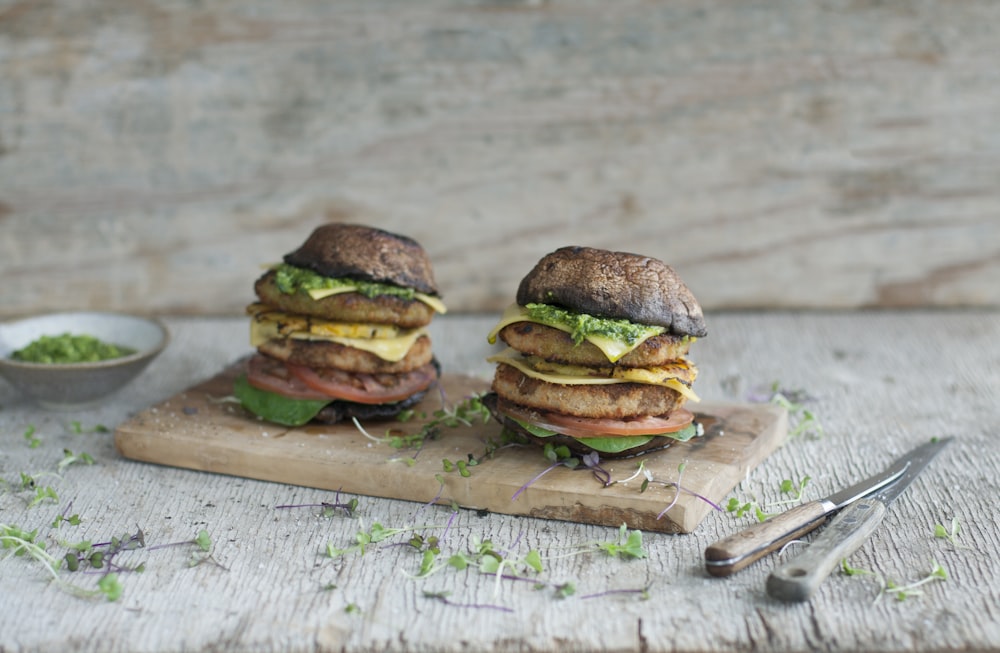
(72, 385)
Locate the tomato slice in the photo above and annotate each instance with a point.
(589, 427)
(365, 388)
(272, 375)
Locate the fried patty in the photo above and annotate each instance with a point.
(319, 353)
(615, 400)
(346, 307)
(555, 345)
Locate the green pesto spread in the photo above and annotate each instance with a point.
(583, 325)
(291, 279)
(69, 348)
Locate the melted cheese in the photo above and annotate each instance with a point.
(613, 349)
(430, 300)
(678, 376)
(388, 342)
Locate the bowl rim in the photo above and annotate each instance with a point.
(83, 365)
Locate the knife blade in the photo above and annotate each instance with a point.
(798, 579)
(733, 553)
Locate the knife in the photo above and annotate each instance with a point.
(798, 579)
(733, 553)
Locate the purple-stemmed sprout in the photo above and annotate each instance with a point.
(679, 489)
(642, 593)
(328, 508)
(443, 598)
(592, 461)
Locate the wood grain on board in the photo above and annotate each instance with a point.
(195, 430)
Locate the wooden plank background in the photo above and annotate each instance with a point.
(778, 153)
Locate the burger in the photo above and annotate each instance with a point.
(596, 354)
(340, 329)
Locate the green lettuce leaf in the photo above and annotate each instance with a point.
(274, 407)
(615, 444)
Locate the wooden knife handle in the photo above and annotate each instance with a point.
(732, 553)
(799, 579)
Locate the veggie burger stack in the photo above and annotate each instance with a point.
(340, 329)
(596, 354)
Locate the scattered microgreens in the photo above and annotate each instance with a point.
(82, 556)
(558, 456)
(804, 420)
(466, 413)
(649, 479)
(561, 456)
(787, 486)
(365, 538)
(741, 508)
(31, 438)
(77, 428)
(890, 587)
(461, 465)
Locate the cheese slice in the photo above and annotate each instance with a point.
(613, 349)
(430, 300)
(388, 342)
(678, 376)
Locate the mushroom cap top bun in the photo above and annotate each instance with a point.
(366, 253)
(616, 285)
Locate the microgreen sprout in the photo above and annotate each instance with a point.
(642, 593)
(795, 489)
(443, 598)
(948, 534)
(31, 438)
(73, 520)
(902, 592)
(677, 493)
(328, 508)
(69, 458)
(628, 544)
(42, 494)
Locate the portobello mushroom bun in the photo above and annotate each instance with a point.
(340, 329)
(596, 357)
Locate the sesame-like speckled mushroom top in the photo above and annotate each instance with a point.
(616, 285)
(366, 253)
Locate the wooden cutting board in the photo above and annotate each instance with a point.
(194, 430)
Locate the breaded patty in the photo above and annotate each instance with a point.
(555, 345)
(616, 400)
(346, 307)
(317, 353)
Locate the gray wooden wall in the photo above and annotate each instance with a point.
(154, 154)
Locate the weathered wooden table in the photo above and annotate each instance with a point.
(877, 384)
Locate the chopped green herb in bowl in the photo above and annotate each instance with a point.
(69, 360)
